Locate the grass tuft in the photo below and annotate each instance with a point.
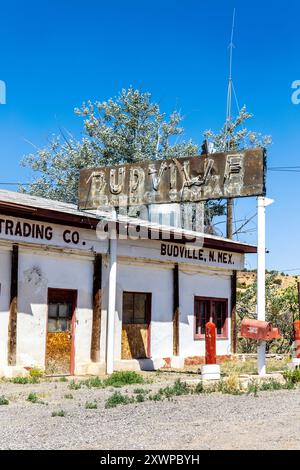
(74, 385)
(91, 405)
(119, 379)
(33, 398)
(60, 413)
(4, 400)
(118, 399)
(68, 396)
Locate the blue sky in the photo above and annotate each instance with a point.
(56, 54)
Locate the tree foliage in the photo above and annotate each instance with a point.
(281, 310)
(234, 136)
(127, 129)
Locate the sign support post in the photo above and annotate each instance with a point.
(262, 203)
(112, 286)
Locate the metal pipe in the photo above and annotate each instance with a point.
(262, 203)
(261, 279)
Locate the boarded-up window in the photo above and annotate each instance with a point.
(214, 310)
(136, 307)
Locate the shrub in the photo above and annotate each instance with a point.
(119, 379)
(199, 388)
(230, 385)
(68, 396)
(272, 384)
(140, 397)
(92, 405)
(20, 380)
(253, 387)
(74, 385)
(156, 397)
(94, 382)
(118, 399)
(179, 388)
(25, 380)
(3, 400)
(60, 413)
(32, 397)
(36, 373)
(140, 391)
(63, 379)
(292, 376)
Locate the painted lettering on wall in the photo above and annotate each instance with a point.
(36, 231)
(181, 251)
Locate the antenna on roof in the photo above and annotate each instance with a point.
(229, 218)
(230, 82)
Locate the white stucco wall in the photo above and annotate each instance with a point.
(191, 284)
(5, 268)
(39, 271)
(157, 280)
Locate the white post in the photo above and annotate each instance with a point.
(262, 203)
(111, 302)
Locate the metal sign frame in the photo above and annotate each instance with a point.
(177, 180)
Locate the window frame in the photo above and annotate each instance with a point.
(148, 306)
(224, 334)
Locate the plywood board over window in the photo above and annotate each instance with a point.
(60, 331)
(136, 325)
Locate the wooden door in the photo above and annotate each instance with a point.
(136, 325)
(60, 332)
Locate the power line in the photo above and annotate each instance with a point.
(2, 183)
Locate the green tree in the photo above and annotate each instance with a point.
(233, 136)
(127, 129)
(281, 310)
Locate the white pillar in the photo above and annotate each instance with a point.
(112, 287)
(262, 203)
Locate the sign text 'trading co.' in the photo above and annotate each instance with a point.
(35, 231)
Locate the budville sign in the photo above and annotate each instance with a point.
(213, 176)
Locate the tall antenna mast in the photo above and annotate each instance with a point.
(229, 218)
(230, 83)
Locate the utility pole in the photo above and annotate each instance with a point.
(227, 127)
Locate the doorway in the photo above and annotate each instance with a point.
(136, 325)
(60, 331)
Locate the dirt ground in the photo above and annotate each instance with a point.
(270, 420)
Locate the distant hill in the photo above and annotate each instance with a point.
(246, 278)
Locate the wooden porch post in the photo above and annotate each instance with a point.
(233, 313)
(13, 308)
(176, 310)
(97, 294)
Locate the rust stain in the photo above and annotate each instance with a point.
(134, 341)
(190, 179)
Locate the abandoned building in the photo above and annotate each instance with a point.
(57, 282)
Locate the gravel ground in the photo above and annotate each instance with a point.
(208, 421)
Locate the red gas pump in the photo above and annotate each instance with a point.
(210, 343)
(210, 370)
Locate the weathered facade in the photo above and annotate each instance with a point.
(55, 282)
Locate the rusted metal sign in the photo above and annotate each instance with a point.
(213, 176)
